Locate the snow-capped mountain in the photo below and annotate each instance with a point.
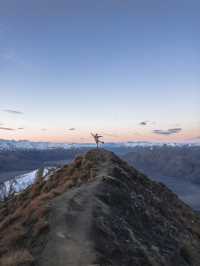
(30, 145)
(21, 182)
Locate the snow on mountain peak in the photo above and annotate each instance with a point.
(31, 145)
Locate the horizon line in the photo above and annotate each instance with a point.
(110, 142)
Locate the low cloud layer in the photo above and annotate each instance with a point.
(6, 128)
(72, 129)
(15, 112)
(169, 131)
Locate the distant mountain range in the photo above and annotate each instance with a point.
(30, 145)
(178, 160)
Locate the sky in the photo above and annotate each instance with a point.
(129, 70)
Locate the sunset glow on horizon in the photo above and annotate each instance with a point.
(125, 135)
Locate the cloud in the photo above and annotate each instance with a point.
(6, 128)
(43, 129)
(72, 129)
(169, 131)
(20, 128)
(175, 130)
(147, 122)
(143, 123)
(15, 112)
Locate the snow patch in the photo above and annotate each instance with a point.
(20, 183)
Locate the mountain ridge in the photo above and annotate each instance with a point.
(100, 211)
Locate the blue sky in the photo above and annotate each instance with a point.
(101, 66)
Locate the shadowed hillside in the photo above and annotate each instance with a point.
(176, 161)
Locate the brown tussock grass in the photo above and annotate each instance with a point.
(25, 217)
(17, 258)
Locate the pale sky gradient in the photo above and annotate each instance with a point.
(102, 66)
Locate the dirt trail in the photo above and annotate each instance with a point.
(69, 240)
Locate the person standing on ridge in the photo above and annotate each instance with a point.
(97, 139)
